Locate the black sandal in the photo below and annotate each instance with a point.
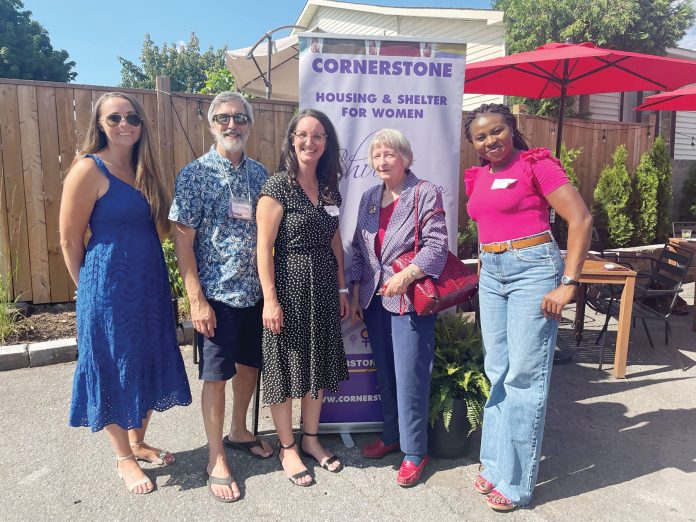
(297, 476)
(327, 462)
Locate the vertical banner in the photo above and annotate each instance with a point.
(365, 85)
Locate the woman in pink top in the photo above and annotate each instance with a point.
(523, 288)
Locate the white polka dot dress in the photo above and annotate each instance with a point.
(307, 355)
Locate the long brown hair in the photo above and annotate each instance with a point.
(155, 187)
(329, 169)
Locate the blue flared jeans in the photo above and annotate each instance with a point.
(518, 343)
(403, 347)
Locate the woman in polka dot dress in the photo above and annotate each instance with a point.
(300, 258)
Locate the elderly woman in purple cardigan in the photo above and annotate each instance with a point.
(385, 230)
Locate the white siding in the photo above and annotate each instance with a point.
(685, 131)
(605, 106)
(484, 41)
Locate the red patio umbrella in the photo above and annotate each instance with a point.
(683, 99)
(560, 69)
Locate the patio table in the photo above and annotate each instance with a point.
(594, 271)
(685, 244)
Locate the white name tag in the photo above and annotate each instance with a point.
(502, 183)
(331, 210)
(240, 208)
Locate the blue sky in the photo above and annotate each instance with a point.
(95, 33)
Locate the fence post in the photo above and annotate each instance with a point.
(164, 124)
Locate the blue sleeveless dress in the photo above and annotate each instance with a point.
(128, 358)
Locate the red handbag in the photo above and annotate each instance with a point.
(457, 283)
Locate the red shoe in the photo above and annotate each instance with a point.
(482, 485)
(499, 502)
(377, 449)
(410, 474)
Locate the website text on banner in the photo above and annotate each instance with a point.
(365, 85)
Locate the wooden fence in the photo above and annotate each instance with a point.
(42, 124)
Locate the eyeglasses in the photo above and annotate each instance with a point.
(314, 138)
(224, 119)
(112, 120)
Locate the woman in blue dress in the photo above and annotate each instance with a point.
(129, 363)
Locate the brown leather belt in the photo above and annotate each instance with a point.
(503, 246)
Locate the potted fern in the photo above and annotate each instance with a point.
(459, 388)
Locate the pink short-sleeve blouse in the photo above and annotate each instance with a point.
(511, 203)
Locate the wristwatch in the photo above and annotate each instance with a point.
(566, 280)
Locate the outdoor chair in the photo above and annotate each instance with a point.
(678, 226)
(653, 300)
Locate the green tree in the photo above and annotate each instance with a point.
(663, 164)
(649, 26)
(612, 195)
(218, 81)
(185, 65)
(645, 184)
(26, 52)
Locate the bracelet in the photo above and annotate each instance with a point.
(413, 273)
(342, 290)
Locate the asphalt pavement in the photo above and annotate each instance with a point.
(613, 450)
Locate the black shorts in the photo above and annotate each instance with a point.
(237, 339)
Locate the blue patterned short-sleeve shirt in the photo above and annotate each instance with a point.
(225, 247)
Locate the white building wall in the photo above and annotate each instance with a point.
(484, 41)
(685, 131)
(605, 106)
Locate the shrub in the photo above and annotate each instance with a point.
(646, 183)
(175, 281)
(663, 165)
(467, 240)
(612, 195)
(567, 159)
(687, 200)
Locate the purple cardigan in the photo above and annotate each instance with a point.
(370, 271)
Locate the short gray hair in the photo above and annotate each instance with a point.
(394, 139)
(228, 96)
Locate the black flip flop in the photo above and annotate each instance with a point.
(246, 446)
(327, 463)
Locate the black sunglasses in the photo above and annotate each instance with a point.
(224, 119)
(112, 120)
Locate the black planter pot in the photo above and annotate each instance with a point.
(454, 443)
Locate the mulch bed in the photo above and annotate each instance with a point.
(45, 323)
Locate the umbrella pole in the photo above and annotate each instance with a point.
(561, 109)
(269, 85)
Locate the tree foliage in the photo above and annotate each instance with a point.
(185, 65)
(218, 81)
(26, 52)
(646, 181)
(648, 26)
(612, 196)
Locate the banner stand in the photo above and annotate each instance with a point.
(364, 84)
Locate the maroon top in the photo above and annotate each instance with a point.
(385, 215)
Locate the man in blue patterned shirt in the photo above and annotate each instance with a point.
(215, 234)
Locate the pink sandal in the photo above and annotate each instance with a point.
(499, 502)
(482, 485)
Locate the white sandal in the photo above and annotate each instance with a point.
(162, 455)
(131, 487)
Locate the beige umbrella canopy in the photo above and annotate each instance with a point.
(277, 78)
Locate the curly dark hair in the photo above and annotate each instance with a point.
(519, 141)
(329, 169)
